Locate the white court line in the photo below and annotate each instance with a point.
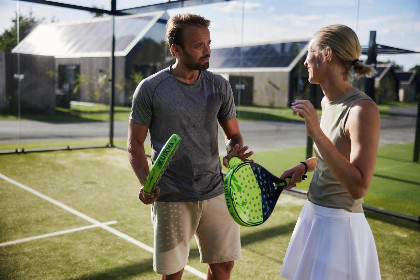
(53, 234)
(95, 222)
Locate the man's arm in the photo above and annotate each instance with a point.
(234, 141)
(137, 156)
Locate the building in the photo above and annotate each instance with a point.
(386, 83)
(30, 88)
(82, 51)
(270, 74)
(409, 86)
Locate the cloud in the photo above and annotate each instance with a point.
(237, 6)
(297, 20)
(327, 3)
(7, 14)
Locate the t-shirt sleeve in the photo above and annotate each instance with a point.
(227, 109)
(142, 107)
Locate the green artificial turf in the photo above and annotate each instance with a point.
(100, 184)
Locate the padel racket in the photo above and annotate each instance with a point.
(164, 158)
(251, 192)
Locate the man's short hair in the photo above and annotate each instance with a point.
(178, 23)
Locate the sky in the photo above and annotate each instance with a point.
(396, 22)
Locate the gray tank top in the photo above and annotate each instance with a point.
(324, 189)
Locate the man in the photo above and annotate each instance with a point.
(188, 100)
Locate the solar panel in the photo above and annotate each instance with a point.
(84, 38)
(268, 55)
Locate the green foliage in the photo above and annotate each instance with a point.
(416, 68)
(97, 14)
(8, 39)
(136, 77)
(99, 87)
(394, 64)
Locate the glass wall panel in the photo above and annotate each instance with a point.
(55, 85)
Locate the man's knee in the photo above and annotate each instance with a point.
(220, 270)
(175, 276)
(227, 266)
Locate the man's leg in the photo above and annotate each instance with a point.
(174, 226)
(175, 276)
(219, 239)
(220, 271)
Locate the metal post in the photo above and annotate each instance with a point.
(112, 95)
(240, 60)
(371, 60)
(309, 141)
(417, 135)
(19, 77)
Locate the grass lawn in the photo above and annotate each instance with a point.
(100, 112)
(395, 185)
(99, 184)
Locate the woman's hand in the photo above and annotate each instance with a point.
(294, 173)
(306, 110)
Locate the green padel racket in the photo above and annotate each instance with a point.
(164, 158)
(251, 192)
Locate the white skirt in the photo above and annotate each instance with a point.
(331, 244)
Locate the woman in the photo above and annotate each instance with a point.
(332, 239)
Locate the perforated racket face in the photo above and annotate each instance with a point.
(164, 158)
(251, 193)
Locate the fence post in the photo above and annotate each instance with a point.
(309, 142)
(112, 66)
(417, 135)
(371, 60)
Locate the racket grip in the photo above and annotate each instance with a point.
(234, 161)
(297, 181)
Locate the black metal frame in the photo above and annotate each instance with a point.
(169, 4)
(372, 50)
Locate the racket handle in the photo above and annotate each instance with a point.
(234, 161)
(297, 181)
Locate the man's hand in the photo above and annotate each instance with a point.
(237, 152)
(148, 198)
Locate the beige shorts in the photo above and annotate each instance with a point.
(175, 224)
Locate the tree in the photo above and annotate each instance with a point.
(396, 66)
(416, 68)
(96, 14)
(8, 39)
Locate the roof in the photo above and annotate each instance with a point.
(406, 77)
(269, 55)
(383, 69)
(382, 49)
(89, 38)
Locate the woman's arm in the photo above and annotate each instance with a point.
(363, 129)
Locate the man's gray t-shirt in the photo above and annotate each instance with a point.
(167, 106)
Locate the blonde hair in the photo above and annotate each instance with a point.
(346, 49)
(178, 23)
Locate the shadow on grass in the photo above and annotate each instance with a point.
(396, 158)
(265, 234)
(60, 117)
(393, 220)
(250, 115)
(397, 179)
(260, 235)
(122, 272)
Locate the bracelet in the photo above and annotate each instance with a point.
(306, 166)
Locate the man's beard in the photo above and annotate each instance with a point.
(194, 65)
